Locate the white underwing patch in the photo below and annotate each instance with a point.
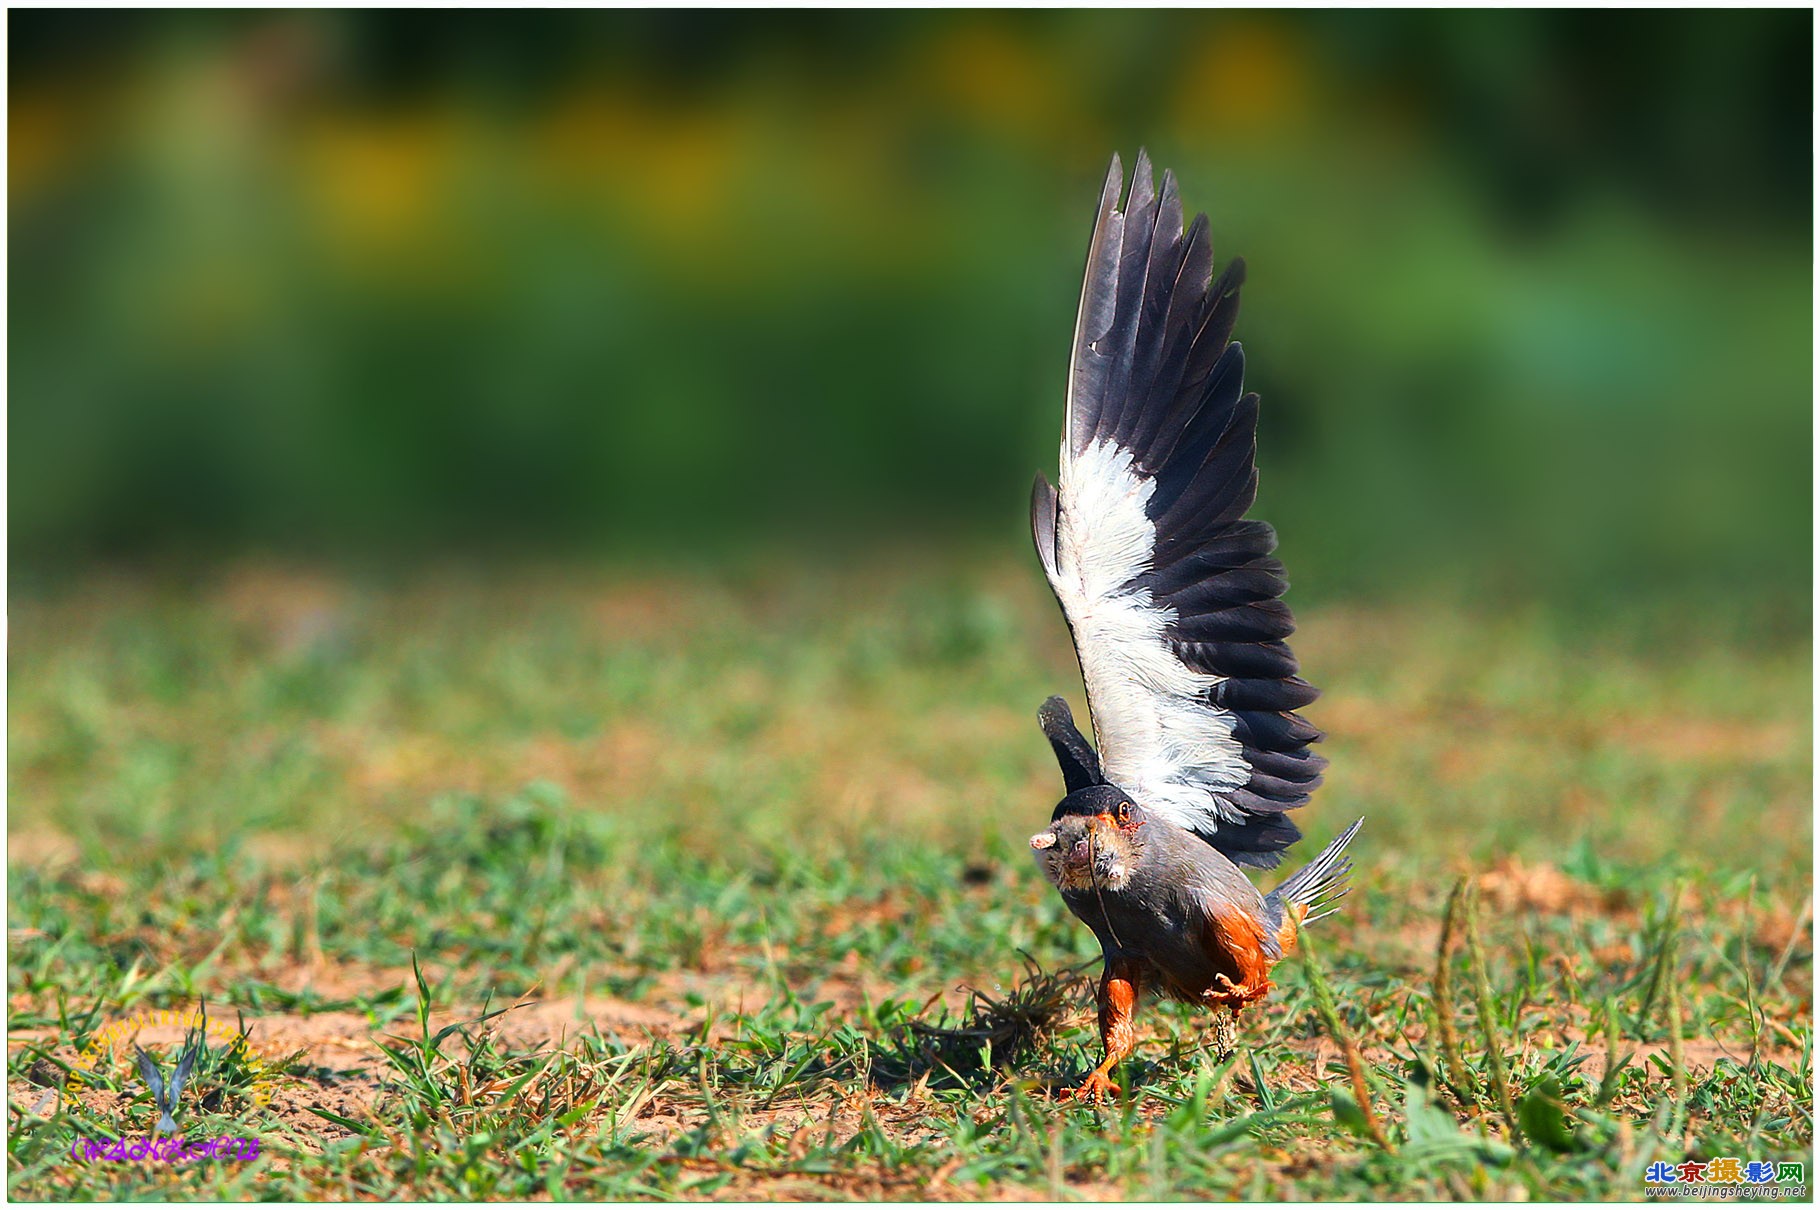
(1159, 736)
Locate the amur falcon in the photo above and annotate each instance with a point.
(1173, 599)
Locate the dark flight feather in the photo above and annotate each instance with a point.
(1080, 763)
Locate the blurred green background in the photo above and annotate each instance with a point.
(1529, 301)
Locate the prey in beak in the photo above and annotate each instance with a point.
(1086, 852)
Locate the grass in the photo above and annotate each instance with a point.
(712, 885)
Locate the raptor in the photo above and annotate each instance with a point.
(1174, 601)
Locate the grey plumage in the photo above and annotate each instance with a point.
(1157, 900)
(1161, 914)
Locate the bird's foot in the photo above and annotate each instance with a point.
(1096, 1087)
(1233, 996)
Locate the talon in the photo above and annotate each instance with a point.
(1224, 993)
(1096, 1086)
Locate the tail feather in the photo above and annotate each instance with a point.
(1329, 906)
(1317, 887)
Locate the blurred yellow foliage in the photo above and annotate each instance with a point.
(668, 168)
(1250, 80)
(38, 144)
(1002, 82)
(380, 184)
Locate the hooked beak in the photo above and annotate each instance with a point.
(1042, 840)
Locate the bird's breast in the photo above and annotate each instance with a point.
(1187, 935)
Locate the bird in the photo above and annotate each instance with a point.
(164, 1095)
(1173, 599)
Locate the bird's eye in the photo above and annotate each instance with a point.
(1124, 815)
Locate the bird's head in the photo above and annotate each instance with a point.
(1093, 841)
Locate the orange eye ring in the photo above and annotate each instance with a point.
(1119, 817)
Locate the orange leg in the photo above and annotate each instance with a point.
(1242, 940)
(1119, 988)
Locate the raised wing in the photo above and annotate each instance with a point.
(154, 1079)
(1171, 595)
(186, 1062)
